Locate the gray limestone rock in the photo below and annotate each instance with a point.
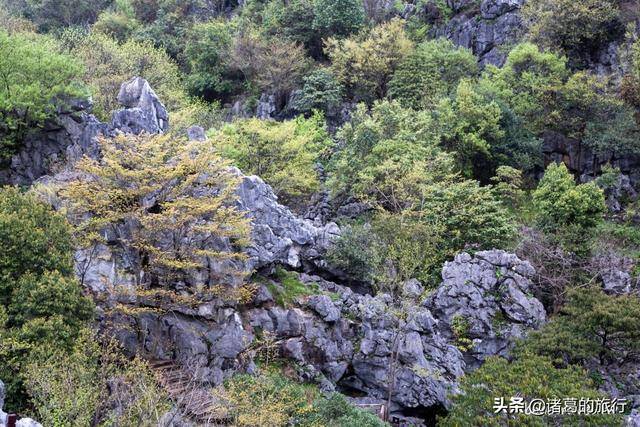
(143, 110)
(492, 293)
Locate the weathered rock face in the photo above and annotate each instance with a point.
(491, 293)
(488, 31)
(73, 133)
(143, 110)
(584, 163)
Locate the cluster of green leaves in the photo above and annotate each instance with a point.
(284, 154)
(591, 326)
(272, 399)
(42, 305)
(78, 387)
(566, 210)
(529, 377)
(35, 81)
(391, 158)
(577, 29)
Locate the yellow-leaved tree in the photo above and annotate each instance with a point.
(169, 207)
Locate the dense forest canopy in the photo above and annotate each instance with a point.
(425, 131)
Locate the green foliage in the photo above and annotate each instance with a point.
(336, 411)
(272, 399)
(108, 64)
(575, 28)
(95, 384)
(433, 70)
(560, 203)
(592, 326)
(337, 17)
(527, 83)
(34, 81)
(460, 327)
(34, 240)
(43, 307)
(289, 288)
(321, 91)
(207, 50)
(118, 26)
(365, 62)
(294, 20)
(47, 295)
(284, 154)
(49, 15)
(357, 252)
(388, 156)
(267, 399)
(469, 126)
(529, 377)
(508, 186)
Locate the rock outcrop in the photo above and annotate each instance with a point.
(487, 31)
(406, 346)
(490, 294)
(72, 133)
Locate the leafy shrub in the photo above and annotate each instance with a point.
(337, 17)
(335, 410)
(470, 126)
(35, 81)
(116, 25)
(387, 157)
(95, 384)
(34, 240)
(433, 70)
(591, 327)
(576, 28)
(284, 154)
(365, 63)
(267, 399)
(207, 50)
(42, 305)
(529, 377)
(561, 203)
(321, 91)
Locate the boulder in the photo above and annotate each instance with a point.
(143, 110)
(491, 293)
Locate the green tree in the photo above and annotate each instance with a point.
(294, 20)
(388, 156)
(116, 25)
(321, 91)
(173, 234)
(574, 28)
(42, 305)
(469, 126)
(432, 71)
(365, 62)
(35, 80)
(207, 50)
(34, 240)
(337, 17)
(528, 377)
(592, 326)
(559, 202)
(284, 154)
